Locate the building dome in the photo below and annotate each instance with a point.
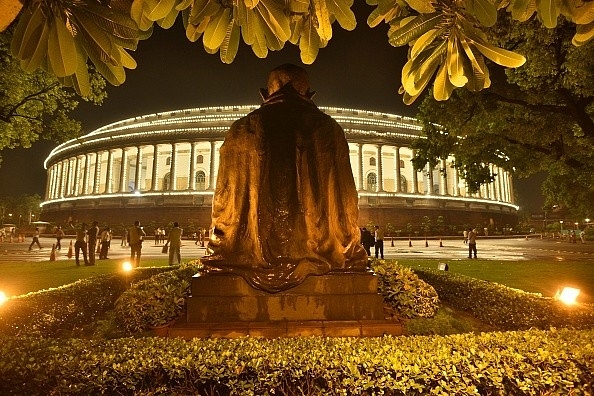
(162, 167)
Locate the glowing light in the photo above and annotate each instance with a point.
(3, 297)
(568, 295)
(127, 266)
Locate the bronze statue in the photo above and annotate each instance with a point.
(285, 205)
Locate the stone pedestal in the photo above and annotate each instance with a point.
(333, 297)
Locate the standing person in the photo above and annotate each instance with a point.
(174, 242)
(157, 235)
(105, 241)
(125, 238)
(379, 242)
(59, 236)
(35, 239)
(135, 236)
(471, 243)
(465, 236)
(367, 240)
(92, 235)
(81, 244)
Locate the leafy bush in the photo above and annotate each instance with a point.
(404, 291)
(155, 301)
(69, 310)
(533, 362)
(504, 307)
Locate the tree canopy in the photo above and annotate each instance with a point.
(34, 105)
(447, 38)
(537, 118)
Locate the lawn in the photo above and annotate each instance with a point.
(24, 277)
(540, 276)
(537, 276)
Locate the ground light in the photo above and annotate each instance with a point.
(568, 295)
(3, 297)
(126, 266)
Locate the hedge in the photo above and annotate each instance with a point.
(504, 307)
(534, 362)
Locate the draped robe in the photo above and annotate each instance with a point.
(285, 204)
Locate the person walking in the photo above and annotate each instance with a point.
(174, 242)
(135, 236)
(80, 245)
(367, 240)
(35, 239)
(471, 243)
(59, 236)
(379, 242)
(105, 242)
(92, 235)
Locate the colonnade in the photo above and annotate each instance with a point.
(192, 166)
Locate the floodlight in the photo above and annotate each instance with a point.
(442, 266)
(568, 295)
(126, 266)
(3, 297)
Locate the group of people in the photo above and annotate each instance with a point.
(89, 240)
(159, 236)
(376, 240)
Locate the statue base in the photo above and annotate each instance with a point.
(336, 304)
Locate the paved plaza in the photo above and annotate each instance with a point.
(513, 248)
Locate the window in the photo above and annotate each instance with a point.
(166, 181)
(403, 186)
(200, 180)
(200, 159)
(372, 161)
(371, 182)
(401, 163)
(168, 161)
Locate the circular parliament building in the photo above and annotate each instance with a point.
(161, 168)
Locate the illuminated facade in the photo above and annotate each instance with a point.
(163, 167)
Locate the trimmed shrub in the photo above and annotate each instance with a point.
(403, 290)
(533, 362)
(504, 307)
(155, 301)
(68, 310)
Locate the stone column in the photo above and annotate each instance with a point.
(192, 176)
(172, 169)
(60, 186)
(429, 180)
(123, 171)
(138, 173)
(97, 173)
(48, 184)
(211, 177)
(498, 184)
(361, 184)
(76, 176)
(109, 173)
(69, 178)
(456, 181)
(415, 178)
(85, 181)
(443, 185)
(154, 182)
(380, 169)
(397, 175)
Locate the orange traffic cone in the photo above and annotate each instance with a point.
(53, 253)
(70, 250)
(409, 243)
(426, 243)
(440, 243)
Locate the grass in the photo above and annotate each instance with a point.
(24, 277)
(537, 276)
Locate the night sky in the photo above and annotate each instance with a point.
(358, 69)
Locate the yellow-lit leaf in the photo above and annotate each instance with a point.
(455, 63)
(309, 43)
(425, 40)
(414, 29)
(341, 9)
(548, 11)
(581, 11)
(217, 29)
(421, 6)
(159, 9)
(299, 6)
(385, 11)
(275, 19)
(470, 54)
(231, 43)
(31, 33)
(483, 10)
(584, 33)
(323, 17)
(202, 9)
(498, 55)
(39, 54)
(442, 87)
(522, 10)
(61, 49)
(250, 3)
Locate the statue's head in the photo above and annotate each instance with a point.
(287, 76)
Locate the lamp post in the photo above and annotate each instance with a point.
(561, 223)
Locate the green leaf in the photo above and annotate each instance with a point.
(39, 55)
(61, 49)
(483, 10)
(414, 29)
(548, 11)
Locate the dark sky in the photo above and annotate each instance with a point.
(358, 69)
